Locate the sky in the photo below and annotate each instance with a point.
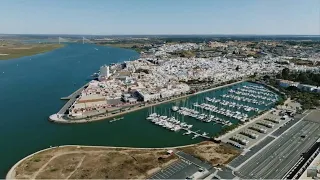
(117, 17)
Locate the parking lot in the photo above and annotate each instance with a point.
(260, 135)
(314, 116)
(186, 167)
(275, 160)
(177, 170)
(242, 158)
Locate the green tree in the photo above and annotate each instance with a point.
(237, 68)
(285, 73)
(302, 77)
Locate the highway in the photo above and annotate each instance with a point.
(274, 161)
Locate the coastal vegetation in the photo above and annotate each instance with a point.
(306, 99)
(139, 45)
(298, 61)
(226, 129)
(302, 77)
(16, 50)
(134, 46)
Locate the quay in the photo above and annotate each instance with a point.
(76, 93)
(71, 99)
(61, 117)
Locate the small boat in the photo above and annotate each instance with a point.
(116, 119)
(204, 134)
(175, 108)
(95, 75)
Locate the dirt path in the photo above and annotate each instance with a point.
(84, 152)
(79, 164)
(34, 176)
(42, 167)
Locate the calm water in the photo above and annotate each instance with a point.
(31, 88)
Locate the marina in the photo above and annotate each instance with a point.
(206, 114)
(173, 124)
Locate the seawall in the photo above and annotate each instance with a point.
(63, 119)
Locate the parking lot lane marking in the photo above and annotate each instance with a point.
(158, 174)
(171, 171)
(163, 175)
(176, 168)
(180, 166)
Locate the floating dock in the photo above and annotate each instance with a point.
(195, 133)
(116, 119)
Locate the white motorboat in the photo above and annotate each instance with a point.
(175, 108)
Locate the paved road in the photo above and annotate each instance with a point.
(288, 125)
(274, 161)
(242, 158)
(226, 173)
(194, 160)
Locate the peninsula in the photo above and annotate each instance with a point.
(12, 49)
(94, 162)
(164, 72)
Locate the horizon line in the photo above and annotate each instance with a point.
(164, 34)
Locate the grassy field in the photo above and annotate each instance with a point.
(137, 46)
(11, 51)
(133, 46)
(72, 162)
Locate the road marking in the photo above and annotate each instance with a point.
(176, 168)
(171, 171)
(254, 155)
(299, 154)
(180, 165)
(270, 135)
(263, 159)
(161, 175)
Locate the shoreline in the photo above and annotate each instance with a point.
(6, 56)
(11, 173)
(54, 118)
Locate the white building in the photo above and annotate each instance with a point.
(148, 96)
(105, 71)
(286, 83)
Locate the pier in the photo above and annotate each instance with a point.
(71, 99)
(195, 133)
(75, 94)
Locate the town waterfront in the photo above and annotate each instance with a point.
(31, 88)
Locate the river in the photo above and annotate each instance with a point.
(31, 88)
